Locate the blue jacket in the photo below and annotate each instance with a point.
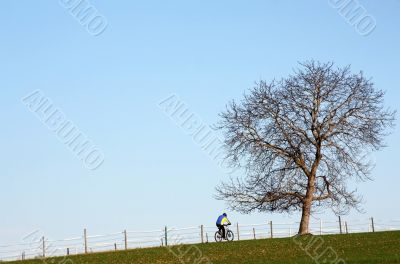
(222, 220)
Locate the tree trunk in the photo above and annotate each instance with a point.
(307, 203)
(305, 217)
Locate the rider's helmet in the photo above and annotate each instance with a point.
(224, 214)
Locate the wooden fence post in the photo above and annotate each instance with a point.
(115, 246)
(44, 247)
(207, 237)
(271, 229)
(320, 226)
(340, 225)
(345, 224)
(67, 251)
(166, 236)
(237, 230)
(372, 224)
(85, 240)
(202, 233)
(254, 233)
(126, 240)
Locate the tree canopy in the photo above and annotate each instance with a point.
(301, 139)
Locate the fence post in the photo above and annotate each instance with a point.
(126, 240)
(202, 233)
(320, 226)
(23, 255)
(271, 230)
(372, 224)
(85, 240)
(254, 233)
(115, 246)
(340, 225)
(166, 236)
(44, 247)
(345, 225)
(207, 237)
(237, 230)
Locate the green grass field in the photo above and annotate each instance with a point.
(380, 247)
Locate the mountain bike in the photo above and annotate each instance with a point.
(228, 235)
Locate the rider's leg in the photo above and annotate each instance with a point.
(223, 232)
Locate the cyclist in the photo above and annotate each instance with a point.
(222, 221)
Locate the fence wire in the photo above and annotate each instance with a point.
(38, 247)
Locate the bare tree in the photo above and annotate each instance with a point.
(301, 139)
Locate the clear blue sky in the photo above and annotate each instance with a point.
(207, 52)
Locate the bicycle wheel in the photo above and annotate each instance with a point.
(229, 235)
(218, 237)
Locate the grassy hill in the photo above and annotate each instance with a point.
(380, 247)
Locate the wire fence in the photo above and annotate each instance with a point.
(37, 246)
